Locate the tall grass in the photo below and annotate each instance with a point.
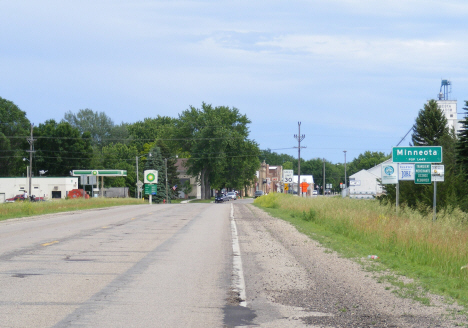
(22, 209)
(437, 250)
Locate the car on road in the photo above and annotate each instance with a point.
(219, 198)
(327, 192)
(232, 195)
(259, 193)
(314, 192)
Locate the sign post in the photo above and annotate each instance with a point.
(288, 178)
(424, 172)
(437, 174)
(151, 180)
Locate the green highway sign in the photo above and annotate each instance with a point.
(151, 189)
(422, 174)
(424, 154)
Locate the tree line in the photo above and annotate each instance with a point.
(214, 140)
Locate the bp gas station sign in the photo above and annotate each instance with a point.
(151, 176)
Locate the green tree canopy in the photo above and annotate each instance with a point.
(61, 148)
(151, 129)
(14, 130)
(366, 161)
(100, 126)
(221, 154)
(273, 158)
(430, 125)
(462, 144)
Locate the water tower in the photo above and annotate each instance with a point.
(445, 89)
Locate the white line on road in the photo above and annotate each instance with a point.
(238, 273)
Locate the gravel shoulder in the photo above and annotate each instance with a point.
(293, 281)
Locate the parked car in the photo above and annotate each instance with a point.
(259, 193)
(232, 195)
(314, 192)
(327, 192)
(17, 198)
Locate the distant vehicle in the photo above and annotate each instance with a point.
(259, 193)
(314, 192)
(20, 198)
(327, 192)
(232, 195)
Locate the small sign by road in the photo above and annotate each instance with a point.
(422, 174)
(437, 173)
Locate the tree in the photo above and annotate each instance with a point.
(121, 157)
(61, 148)
(220, 153)
(462, 144)
(99, 125)
(430, 125)
(273, 158)
(366, 161)
(14, 129)
(151, 129)
(170, 163)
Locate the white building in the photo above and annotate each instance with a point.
(365, 183)
(47, 187)
(449, 108)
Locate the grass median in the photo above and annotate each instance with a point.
(22, 209)
(435, 254)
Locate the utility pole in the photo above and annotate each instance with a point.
(323, 177)
(31, 151)
(299, 138)
(165, 166)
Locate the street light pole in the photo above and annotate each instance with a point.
(137, 188)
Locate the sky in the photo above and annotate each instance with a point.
(354, 73)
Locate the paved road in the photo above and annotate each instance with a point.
(134, 266)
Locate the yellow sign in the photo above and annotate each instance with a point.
(286, 186)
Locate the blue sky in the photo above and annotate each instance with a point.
(355, 73)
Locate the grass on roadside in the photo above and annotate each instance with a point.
(22, 209)
(410, 244)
